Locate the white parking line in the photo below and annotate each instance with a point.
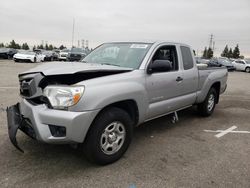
(224, 132)
(218, 131)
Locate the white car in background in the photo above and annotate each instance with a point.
(28, 56)
(242, 65)
(63, 54)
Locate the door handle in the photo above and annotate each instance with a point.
(178, 79)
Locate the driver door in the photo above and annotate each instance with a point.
(163, 88)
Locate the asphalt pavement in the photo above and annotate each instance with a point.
(162, 154)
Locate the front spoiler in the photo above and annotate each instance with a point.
(17, 121)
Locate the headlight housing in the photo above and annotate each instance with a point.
(62, 97)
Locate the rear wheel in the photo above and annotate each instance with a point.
(109, 136)
(207, 107)
(248, 70)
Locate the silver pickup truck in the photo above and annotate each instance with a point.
(96, 103)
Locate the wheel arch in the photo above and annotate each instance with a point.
(129, 105)
(217, 86)
(247, 67)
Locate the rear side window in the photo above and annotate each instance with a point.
(187, 58)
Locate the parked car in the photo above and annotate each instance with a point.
(242, 65)
(7, 53)
(97, 102)
(218, 62)
(76, 54)
(49, 55)
(200, 60)
(63, 54)
(28, 56)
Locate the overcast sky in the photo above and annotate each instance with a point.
(187, 21)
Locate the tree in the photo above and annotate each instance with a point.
(50, 47)
(1, 45)
(236, 52)
(17, 46)
(205, 53)
(40, 46)
(13, 44)
(34, 47)
(25, 46)
(62, 47)
(230, 53)
(210, 53)
(225, 52)
(46, 47)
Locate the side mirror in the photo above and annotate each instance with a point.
(159, 66)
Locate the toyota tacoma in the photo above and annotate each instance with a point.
(96, 103)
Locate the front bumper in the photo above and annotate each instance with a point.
(34, 120)
(23, 59)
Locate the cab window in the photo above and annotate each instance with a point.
(167, 53)
(187, 58)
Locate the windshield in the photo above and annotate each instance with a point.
(119, 54)
(225, 62)
(27, 52)
(76, 50)
(4, 49)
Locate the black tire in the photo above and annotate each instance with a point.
(247, 69)
(204, 108)
(92, 146)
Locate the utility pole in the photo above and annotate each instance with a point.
(83, 43)
(87, 44)
(211, 41)
(73, 32)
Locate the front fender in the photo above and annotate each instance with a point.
(100, 96)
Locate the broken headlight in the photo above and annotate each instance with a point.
(61, 97)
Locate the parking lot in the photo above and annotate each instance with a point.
(162, 154)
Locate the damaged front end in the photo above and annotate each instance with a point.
(15, 122)
(32, 85)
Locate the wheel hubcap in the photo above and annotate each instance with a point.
(112, 138)
(211, 100)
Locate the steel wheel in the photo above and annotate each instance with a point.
(211, 101)
(248, 70)
(113, 138)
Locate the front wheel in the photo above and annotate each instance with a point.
(207, 107)
(109, 136)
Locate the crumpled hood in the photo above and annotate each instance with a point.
(58, 68)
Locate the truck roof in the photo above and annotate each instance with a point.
(155, 42)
